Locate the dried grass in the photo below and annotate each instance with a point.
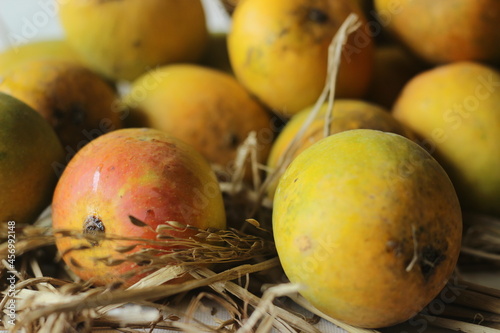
(482, 237)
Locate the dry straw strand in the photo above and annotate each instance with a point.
(131, 295)
(334, 51)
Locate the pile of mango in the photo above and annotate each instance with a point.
(127, 122)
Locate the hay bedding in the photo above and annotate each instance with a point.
(244, 290)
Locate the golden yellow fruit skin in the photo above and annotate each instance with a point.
(207, 108)
(347, 214)
(49, 49)
(347, 114)
(123, 39)
(78, 103)
(454, 109)
(468, 30)
(28, 149)
(282, 59)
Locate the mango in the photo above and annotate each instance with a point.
(347, 114)
(206, 108)
(283, 59)
(45, 49)
(468, 30)
(141, 173)
(29, 148)
(369, 224)
(124, 39)
(78, 103)
(454, 110)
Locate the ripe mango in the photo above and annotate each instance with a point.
(347, 114)
(369, 224)
(454, 109)
(138, 172)
(206, 108)
(468, 30)
(283, 58)
(124, 39)
(28, 149)
(47, 49)
(78, 103)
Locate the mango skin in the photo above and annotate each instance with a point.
(453, 109)
(468, 29)
(143, 173)
(282, 60)
(346, 212)
(55, 49)
(206, 108)
(124, 39)
(78, 103)
(28, 149)
(347, 114)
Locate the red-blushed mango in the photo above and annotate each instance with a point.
(140, 173)
(369, 224)
(29, 149)
(283, 58)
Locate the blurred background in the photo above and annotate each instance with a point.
(23, 21)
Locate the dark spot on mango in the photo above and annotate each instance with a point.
(232, 140)
(430, 258)
(77, 114)
(303, 243)
(150, 214)
(135, 221)
(395, 247)
(317, 15)
(58, 117)
(283, 32)
(94, 229)
(75, 263)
